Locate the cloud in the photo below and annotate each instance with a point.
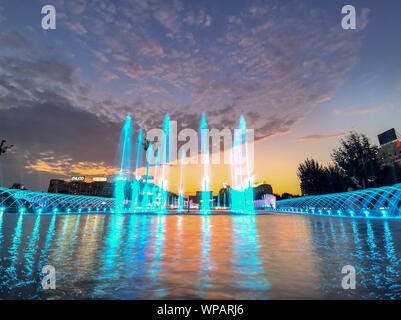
(13, 40)
(151, 48)
(77, 6)
(168, 15)
(76, 27)
(268, 62)
(2, 17)
(199, 19)
(319, 137)
(363, 19)
(356, 112)
(53, 135)
(109, 76)
(68, 168)
(100, 56)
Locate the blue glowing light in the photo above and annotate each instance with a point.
(136, 195)
(122, 178)
(241, 194)
(384, 202)
(204, 142)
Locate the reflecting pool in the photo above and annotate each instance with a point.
(273, 256)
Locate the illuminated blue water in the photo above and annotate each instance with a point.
(195, 256)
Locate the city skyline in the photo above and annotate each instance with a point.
(65, 92)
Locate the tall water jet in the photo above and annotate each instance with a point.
(155, 189)
(139, 151)
(122, 187)
(180, 192)
(204, 142)
(248, 188)
(146, 204)
(166, 159)
(241, 194)
(135, 184)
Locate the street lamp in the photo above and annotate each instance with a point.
(4, 148)
(146, 145)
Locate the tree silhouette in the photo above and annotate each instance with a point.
(357, 165)
(312, 177)
(359, 160)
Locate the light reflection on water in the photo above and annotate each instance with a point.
(198, 257)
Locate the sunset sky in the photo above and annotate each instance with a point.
(299, 79)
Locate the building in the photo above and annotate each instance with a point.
(58, 186)
(18, 186)
(223, 197)
(390, 147)
(81, 187)
(198, 197)
(260, 189)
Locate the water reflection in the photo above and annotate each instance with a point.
(208, 257)
(29, 254)
(206, 263)
(157, 256)
(14, 252)
(252, 282)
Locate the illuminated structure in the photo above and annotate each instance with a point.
(204, 142)
(241, 193)
(122, 178)
(382, 202)
(22, 201)
(131, 195)
(180, 206)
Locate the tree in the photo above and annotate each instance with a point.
(312, 177)
(316, 179)
(286, 196)
(358, 159)
(356, 165)
(337, 181)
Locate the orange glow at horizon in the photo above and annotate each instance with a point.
(276, 170)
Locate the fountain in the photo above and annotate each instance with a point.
(147, 198)
(144, 196)
(122, 184)
(146, 205)
(204, 142)
(241, 194)
(155, 189)
(180, 192)
(135, 186)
